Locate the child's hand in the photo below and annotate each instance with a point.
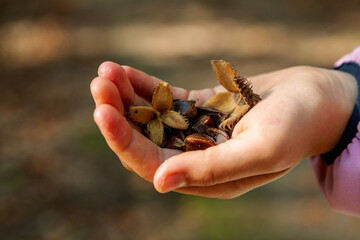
(303, 112)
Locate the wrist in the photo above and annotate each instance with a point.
(340, 94)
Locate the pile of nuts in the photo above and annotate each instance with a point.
(180, 124)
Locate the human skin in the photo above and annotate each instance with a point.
(303, 112)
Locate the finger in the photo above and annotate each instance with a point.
(116, 74)
(247, 155)
(135, 151)
(145, 84)
(126, 166)
(201, 95)
(105, 92)
(234, 188)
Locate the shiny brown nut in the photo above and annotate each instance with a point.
(178, 133)
(197, 141)
(221, 138)
(171, 132)
(218, 135)
(175, 143)
(204, 120)
(215, 115)
(199, 124)
(186, 108)
(215, 133)
(205, 110)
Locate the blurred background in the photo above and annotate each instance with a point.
(58, 178)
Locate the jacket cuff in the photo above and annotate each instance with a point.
(351, 128)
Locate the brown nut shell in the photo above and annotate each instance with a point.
(175, 143)
(204, 120)
(186, 108)
(197, 141)
(218, 135)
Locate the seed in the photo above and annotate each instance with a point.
(186, 108)
(218, 135)
(175, 143)
(205, 120)
(197, 141)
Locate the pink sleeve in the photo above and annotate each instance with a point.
(340, 182)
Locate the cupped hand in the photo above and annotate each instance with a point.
(303, 112)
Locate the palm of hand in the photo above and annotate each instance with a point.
(292, 122)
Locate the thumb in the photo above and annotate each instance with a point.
(237, 158)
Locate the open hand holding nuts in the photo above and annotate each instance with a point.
(179, 124)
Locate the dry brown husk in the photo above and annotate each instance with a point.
(238, 100)
(158, 114)
(155, 130)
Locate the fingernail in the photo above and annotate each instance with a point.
(172, 182)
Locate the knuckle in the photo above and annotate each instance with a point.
(129, 71)
(209, 175)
